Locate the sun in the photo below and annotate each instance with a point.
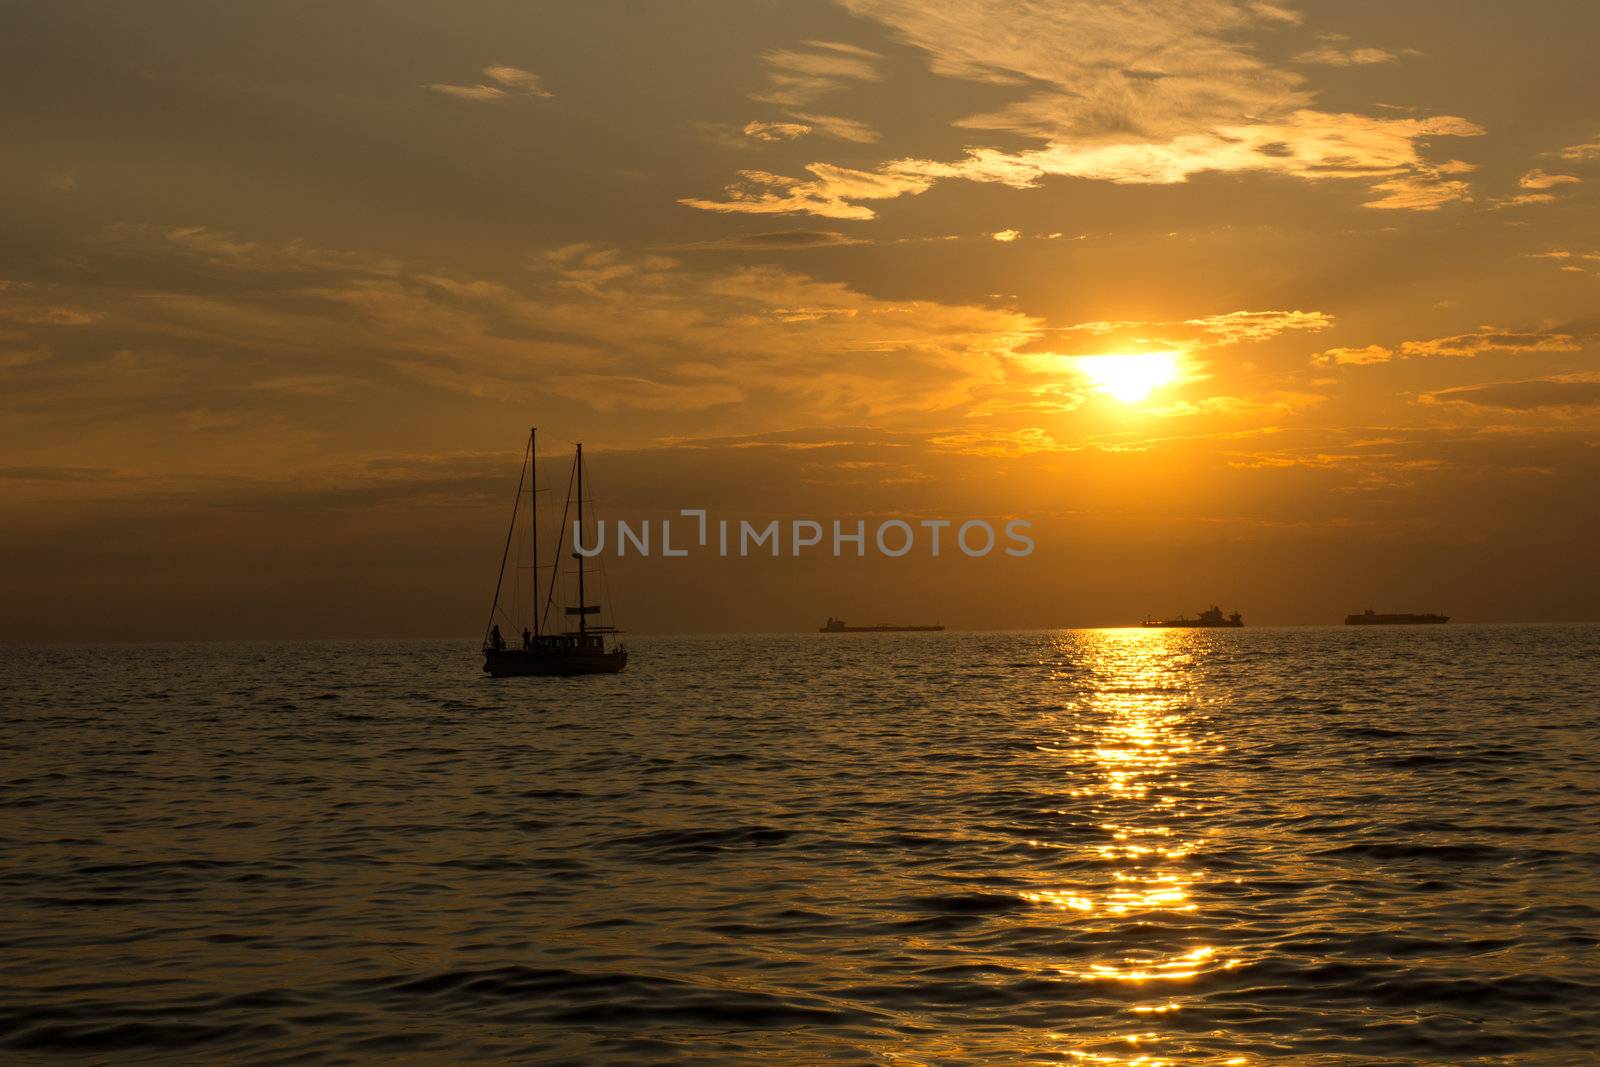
(1130, 378)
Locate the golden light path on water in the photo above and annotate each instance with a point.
(1130, 741)
(1261, 846)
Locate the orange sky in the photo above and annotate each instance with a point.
(280, 296)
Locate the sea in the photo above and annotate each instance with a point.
(1320, 846)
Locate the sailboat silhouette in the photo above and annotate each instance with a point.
(541, 652)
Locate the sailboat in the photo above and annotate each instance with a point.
(538, 650)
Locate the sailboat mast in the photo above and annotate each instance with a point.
(583, 605)
(505, 554)
(533, 518)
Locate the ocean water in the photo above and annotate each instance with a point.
(1308, 846)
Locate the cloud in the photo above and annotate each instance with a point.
(56, 474)
(1490, 339)
(1181, 336)
(775, 241)
(1568, 261)
(509, 82)
(799, 76)
(841, 129)
(583, 327)
(1137, 93)
(1581, 152)
(228, 252)
(829, 193)
(46, 316)
(1538, 179)
(1418, 192)
(611, 393)
(1008, 444)
(776, 131)
(1308, 145)
(1334, 56)
(1525, 200)
(1563, 391)
(598, 327)
(26, 311)
(1158, 69)
(1005, 236)
(518, 80)
(1464, 346)
(1170, 347)
(1353, 357)
(1239, 326)
(22, 357)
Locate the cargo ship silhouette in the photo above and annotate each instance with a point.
(837, 626)
(1212, 616)
(1372, 618)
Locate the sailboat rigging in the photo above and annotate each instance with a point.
(539, 652)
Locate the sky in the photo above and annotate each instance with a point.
(1289, 307)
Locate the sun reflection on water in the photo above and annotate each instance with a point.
(1130, 744)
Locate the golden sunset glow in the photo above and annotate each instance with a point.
(1213, 272)
(1132, 378)
(970, 532)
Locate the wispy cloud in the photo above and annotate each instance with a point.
(1560, 391)
(1461, 346)
(1236, 326)
(1155, 70)
(775, 131)
(1538, 179)
(1309, 145)
(1224, 328)
(611, 330)
(507, 82)
(1176, 346)
(775, 241)
(1569, 261)
(1335, 50)
(1422, 191)
(799, 76)
(1148, 93)
(832, 192)
(1538, 185)
(1353, 357)
(1335, 56)
(57, 474)
(1491, 339)
(1581, 152)
(1525, 200)
(838, 127)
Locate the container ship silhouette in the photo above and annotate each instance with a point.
(1372, 618)
(837, 626)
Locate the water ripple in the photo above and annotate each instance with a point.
(1321, 847)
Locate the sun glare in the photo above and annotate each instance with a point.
(1130, 378)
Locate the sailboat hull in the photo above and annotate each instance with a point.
(521, 662)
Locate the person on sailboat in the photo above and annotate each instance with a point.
(495, 640)
(527, 637)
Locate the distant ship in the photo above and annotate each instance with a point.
(837, 626)
(543, 650)
(1371, 618)
(1212, 616)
